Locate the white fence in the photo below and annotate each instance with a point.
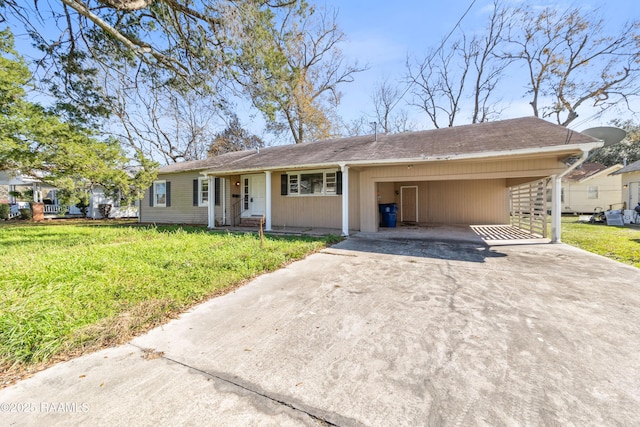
(57, 209)
(116, 211)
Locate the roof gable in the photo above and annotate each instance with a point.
(633, 167)
(588, 171)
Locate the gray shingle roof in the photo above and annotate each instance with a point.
(209, 163)
(633, 167)
(584, 171)
(501, 136)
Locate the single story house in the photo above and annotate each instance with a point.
(591, 186)
(460, 175)
(40, 192)
(630, 177)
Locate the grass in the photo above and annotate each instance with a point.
(70, 289)
(618, 243)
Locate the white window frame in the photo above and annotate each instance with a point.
(592, 192)
(155, 194)
(296, 178)
(203, 195)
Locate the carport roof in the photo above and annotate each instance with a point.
(500, 138)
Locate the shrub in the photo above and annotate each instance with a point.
(83, 204)
(26, 214)
(105, 209)
(4, 211)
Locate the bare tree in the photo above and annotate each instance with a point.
(571, 61)
(356, 127)
(467, 69)
(165, 123)
(298, 92)
(385, 97)
(437, 87)
(488, 65)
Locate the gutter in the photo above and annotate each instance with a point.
(583, 158)
(585, 148)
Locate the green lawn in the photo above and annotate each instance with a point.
(618, 243)
(71, 288)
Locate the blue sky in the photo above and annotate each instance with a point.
(382, 34)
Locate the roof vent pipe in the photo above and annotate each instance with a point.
(375, 130)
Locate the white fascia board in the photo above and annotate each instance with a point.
(608, 171)
(422, 159)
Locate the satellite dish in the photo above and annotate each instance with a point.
(609, 135)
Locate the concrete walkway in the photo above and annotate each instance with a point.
(375, 331)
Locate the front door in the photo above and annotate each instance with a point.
(634, 194)
(409, 204)
(253, 195)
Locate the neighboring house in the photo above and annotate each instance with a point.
(630, 177)
(47, 194)
(591, 186)
(459, 175)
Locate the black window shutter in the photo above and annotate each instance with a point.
(151, 195)
(217, 188)
(168, 193)
(284, 184)
(195, 192)
(338, 182)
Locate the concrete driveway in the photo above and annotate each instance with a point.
(375, 331)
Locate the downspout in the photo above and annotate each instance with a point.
(556, 202)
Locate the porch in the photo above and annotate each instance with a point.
(485, 234)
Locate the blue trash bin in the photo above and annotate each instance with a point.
(388, 214)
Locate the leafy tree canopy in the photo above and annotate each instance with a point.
(234, 138)
(35, 141)
(173, 44)
(626, 151)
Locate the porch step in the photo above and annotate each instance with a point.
(250, 222)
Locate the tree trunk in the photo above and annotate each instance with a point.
(127, 5)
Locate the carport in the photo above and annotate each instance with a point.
(478, 203)
(486, 191)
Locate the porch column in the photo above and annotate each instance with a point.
(345, 199)
(556, 207)
(267, 201)
(211, 203)
(223, 199)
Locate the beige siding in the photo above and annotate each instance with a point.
(181, 210)
(314, 211)
(576, 195)
(463, 192)
(631, 194)
(354, 200)
(453, 202)
(460, 192)
(467, 202)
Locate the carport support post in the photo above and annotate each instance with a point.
(267, 202)
(556, 207)
(345, 199)
(211, 205)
